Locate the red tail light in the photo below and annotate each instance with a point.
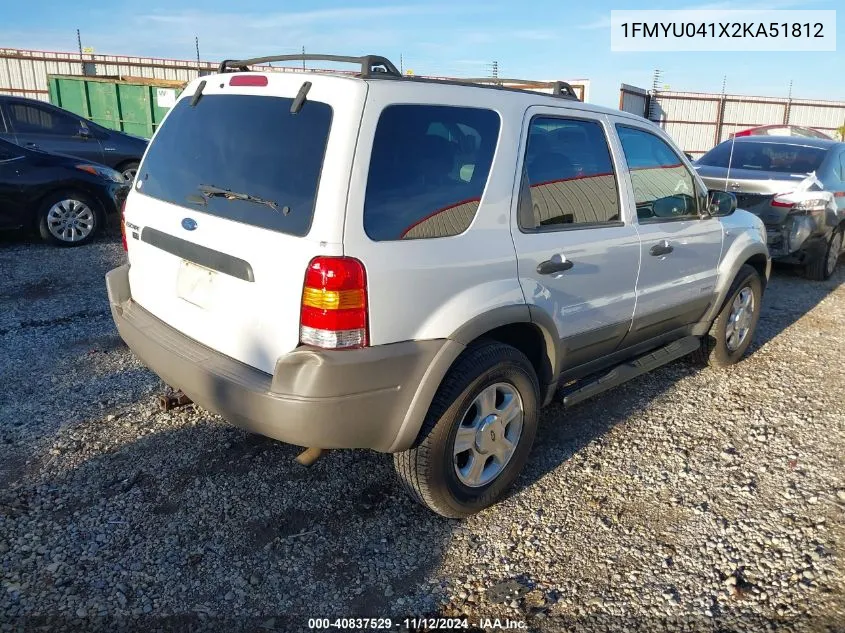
(123, 227)
(777, 202)
(334, 304)
(248, 80)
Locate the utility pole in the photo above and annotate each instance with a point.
(401, 64)
(303, 58)
(197, 46)
(787, 111)
(655, 86)
(496, 69)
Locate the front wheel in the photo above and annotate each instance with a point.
(477, 434)
(734, 327)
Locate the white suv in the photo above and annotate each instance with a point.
(417, 266)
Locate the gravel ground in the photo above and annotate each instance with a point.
(686, 500)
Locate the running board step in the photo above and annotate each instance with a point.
(630, 370)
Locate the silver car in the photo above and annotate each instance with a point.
(795, 185)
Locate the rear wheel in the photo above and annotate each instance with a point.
(477, 434)
(734, 327)
(129, 170)
(68, 218)
(823, 267)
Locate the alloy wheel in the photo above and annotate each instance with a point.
(740, 319)
(488, 435)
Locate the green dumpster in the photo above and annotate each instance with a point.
(132, 105)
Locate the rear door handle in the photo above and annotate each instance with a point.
(32, 145)
(664, 248)
(555, 265)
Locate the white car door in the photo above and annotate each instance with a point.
(577, 247)
(680, 247)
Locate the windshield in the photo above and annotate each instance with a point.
(246, 144)
(780, 157)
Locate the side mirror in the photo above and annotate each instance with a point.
(721, 203)
(83, 132)
(690, 157)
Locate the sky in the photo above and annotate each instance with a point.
(542, 39)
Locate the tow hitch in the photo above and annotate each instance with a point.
(172, 400)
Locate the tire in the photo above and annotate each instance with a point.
(430, 469)
(715, 349)
(821, 268)
(58, 209)
(129, 170)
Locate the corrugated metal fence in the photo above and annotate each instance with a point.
(698, 121)
(24, 72)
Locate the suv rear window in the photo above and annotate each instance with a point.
(786, 158)
(428, 169)
(248, 145)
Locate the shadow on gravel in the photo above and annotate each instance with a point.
(789, 297)
(204, 521)
(562, 433)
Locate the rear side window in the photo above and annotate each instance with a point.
(570, 175)
(248, 145)
(428, 169)
(32, 119)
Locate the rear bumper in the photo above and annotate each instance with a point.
(368, 398)
(781, 251)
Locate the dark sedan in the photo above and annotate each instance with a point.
(65, 199)
(795, 185)
(40, 125)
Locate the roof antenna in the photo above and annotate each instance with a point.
(198, 94)
(296, 106)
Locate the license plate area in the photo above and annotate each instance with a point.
(195, 284)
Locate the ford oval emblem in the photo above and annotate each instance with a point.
(189, 224)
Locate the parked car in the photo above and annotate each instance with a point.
(417, 266)
(67, 200)
(796, 185)
(38, 125)
(782, 130)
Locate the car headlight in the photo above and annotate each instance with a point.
(102, 172)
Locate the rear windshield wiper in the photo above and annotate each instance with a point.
(210, 191)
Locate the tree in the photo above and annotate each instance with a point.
(841, 132)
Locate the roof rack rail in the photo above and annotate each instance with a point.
(559, 88)
(371, 65)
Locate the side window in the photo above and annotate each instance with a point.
(842, 166)
(31, 119)
(428, 169)
(664, 188)
(569, 174)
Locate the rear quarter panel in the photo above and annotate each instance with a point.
(428, 288)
